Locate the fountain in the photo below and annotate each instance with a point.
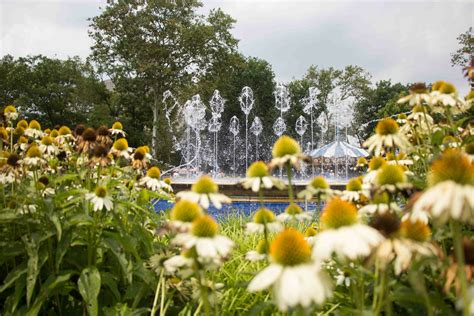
(246, 104)
(234, 129)
(217, 107)
(256, 129)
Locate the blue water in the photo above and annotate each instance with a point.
(241, 208)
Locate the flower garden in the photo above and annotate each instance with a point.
(79, 233)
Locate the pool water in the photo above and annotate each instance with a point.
(245, 208)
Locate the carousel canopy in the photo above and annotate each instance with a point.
(339, 149)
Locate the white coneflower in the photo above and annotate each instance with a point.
(204, 238)
(400, 159)
(387, 135)
(183, 214)
(418, 93)
(354, 191)
(152, 180)
(262, 218)
(179, 262)
(294, 212)
(117, 130)
(419, 122)
(65, 135)
(139, 160)
(10, 113)
(318, 187)
(340, 225)
(205, 191)
(33, 157)
(295, 280)
(258, 177)
(99, 199)
(34, 130)
(444, 96)
(11, 171)
(392, 178)
(47, 146)
(310, 233)
(451, 189)
(342, 278)
(374, 165)
(260, 252)
(460, 302)
(120, 148)
(286, 150)
(380, 203)
(407, 244)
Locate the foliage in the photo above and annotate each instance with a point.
(377, 103)
(156, 46)
(465, 52)
(52, 90)
(59, 252)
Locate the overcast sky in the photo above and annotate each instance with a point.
(406, 41)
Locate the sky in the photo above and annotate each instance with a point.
(406, 41)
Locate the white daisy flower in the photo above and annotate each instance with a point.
(451, 191)
(294, 279)
(294, 212)
(152, 181)
(285, 151)
(258, 177)
(99, 199)
(205, 191)
(263, 219)
(387, 136)
(340, 225)
(203, 236)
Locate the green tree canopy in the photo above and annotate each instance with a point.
(155, 46)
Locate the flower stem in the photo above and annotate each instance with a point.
(155, 300)
(459, 252)
(290, 187)
(204, 295)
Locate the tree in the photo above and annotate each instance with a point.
(375, 104)
(51, 90)
(465, 52)
(155, 46)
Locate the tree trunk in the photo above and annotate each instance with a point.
(154, 136)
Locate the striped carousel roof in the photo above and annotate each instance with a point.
(339, 149)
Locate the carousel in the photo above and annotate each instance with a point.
(335, 159)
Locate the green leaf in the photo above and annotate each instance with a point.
(9, 216)
(109, 281)
(13, 276)
(51, 283)
(54, 218)
(32, 268)
(89, 287)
